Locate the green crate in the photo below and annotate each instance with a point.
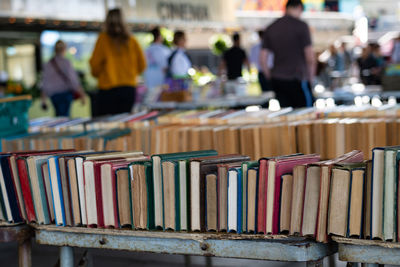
(14, 115)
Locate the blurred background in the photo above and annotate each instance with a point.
(354, 40)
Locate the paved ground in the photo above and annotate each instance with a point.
(47, 256)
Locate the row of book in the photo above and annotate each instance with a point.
(294, 194)
(327, 137)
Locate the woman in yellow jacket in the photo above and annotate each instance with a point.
(116, 61)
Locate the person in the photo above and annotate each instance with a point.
(255, 60)
(233, 59)
(157, 60)
(288, 38)
(60, 82)
(371, 65)
(179, 62)
(116, 61)
(396, 51)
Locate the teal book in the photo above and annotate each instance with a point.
(244, 168)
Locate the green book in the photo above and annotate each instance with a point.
(157, 161)
(142, 171)
(244, 168)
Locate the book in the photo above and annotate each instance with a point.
(251, 203)
(171, 195)
(367, 199)
(211, 202)
(244, 168)
(199, 167)
(142, 192)
(47, 186)
(24, 180)
(234, 200)
(391, 155)
(285, 202)
(296, 215)
(345, 206)
(124, 197)
(157, 178)
(378, 164)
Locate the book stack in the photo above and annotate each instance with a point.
(330, 137)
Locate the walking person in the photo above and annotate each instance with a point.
(289, 39)
(116, 62)
(60, 82)
(234, 59)
(255, 50)
(179, 61)
(157, 61)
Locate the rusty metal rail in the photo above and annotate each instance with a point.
(22, 234)
(371, 252)
(275, 248)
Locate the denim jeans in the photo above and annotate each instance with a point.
(62, 103)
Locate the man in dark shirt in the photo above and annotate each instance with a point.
(288, 38)
(234, 58)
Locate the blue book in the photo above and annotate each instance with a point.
(56, 190)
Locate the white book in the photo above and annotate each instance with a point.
(8, 214)
(90, 193)
(158, 201)
(195, 195)
(232, 200)
(81, 188)
(107, 195)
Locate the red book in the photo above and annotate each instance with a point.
(262, 194)
(145, 117)
(26, 189)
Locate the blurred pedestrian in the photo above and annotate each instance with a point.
(289, 39)
(179, 61)
(157, 61)
(265, 83)
(233, 59)
(396, 51)
(60, 82)
(371, 65)
(116, 61)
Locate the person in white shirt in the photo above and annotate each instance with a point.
(265, 84)
(157, 56)
(179, 62)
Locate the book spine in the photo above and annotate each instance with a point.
(26, 190)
